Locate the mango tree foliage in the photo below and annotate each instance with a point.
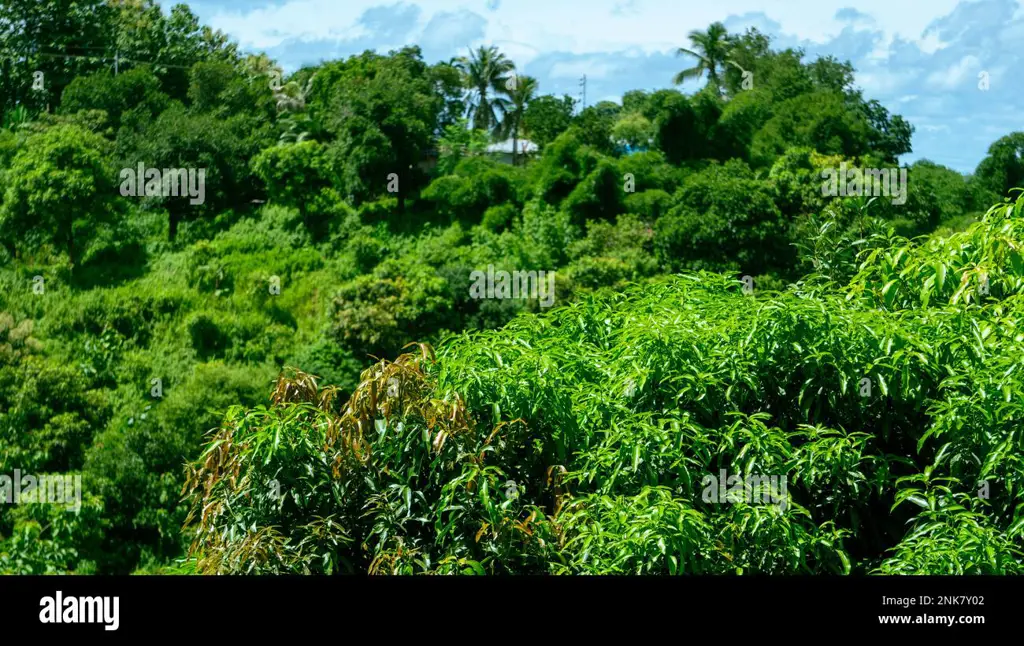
(579, 441)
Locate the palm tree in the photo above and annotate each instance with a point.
(711, 48)
(291, 97)
(520, 90)
(297, 124)
(297, 127)
(484, 75)
(260, 65)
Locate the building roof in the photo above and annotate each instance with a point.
(524, 145)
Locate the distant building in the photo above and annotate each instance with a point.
(626, 149)
(502, 151)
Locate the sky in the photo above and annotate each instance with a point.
(953, 68)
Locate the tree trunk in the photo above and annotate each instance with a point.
(515, 143)
(172, 224)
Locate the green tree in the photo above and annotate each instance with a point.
(890, 135)
(295, 175)
(457, 142)
(748, 52)
(58, 40)
(448, 80)
(565, 162)
(546, 117)
(60, 189)
(209, 82)
(136, 90)
(593, 125)
(599, 196)
(475, 184)
(381, 112)
(829, 73)
(221, 147)
(678, 132)
(633, 130)
(1003, 167)
(141, 32)
(823, 121)
(724, 220)
(935, 195)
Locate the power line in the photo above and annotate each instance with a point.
(117, 58)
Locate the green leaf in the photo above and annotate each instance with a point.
(846, 561)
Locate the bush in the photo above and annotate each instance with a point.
(499, 218)
(724, 220)
(377, 314)
(598, 197)
(649, 205)
(208, 340)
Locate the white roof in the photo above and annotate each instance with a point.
(524, 146)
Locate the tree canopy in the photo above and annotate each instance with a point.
(381, 346)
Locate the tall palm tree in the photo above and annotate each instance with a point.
(711, 48)
(484, 73)
(292, 96)
(259, 65)
(520, 91)
(297, 125)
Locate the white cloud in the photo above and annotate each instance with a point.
(882, 80)
(576, 69)
(575, 26)
(931, 43)
(956, 75)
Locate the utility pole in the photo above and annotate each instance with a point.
(583, 84)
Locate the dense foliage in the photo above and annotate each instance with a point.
(712, 309)
(575, 442)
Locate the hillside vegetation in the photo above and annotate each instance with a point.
(243, 374)
(576, 441)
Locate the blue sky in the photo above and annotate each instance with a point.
(921, 58)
